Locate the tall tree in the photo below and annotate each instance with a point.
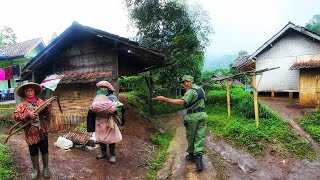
(314, 24)
(7, 36)
(172, 27)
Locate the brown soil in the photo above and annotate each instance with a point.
(133, 154)
(222, 161)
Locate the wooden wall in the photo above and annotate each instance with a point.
(83, 56)
(309, 86)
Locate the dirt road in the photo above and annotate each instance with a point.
(222, 161)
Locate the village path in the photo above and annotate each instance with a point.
(224, 162)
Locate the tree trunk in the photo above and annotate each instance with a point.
(149, 82)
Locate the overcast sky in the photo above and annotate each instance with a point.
(238, 25)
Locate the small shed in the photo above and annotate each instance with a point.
(83, 55)
(309, 85)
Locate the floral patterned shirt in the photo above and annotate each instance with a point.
(32, 133)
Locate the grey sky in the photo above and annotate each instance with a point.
(238, 25)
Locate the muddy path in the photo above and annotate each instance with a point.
(222, 161)
(133, 155)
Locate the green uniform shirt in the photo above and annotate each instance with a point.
(190, 96)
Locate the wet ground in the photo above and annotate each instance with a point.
(133, 155)
(222, 161)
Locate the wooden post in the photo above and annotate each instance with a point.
(255, 100)
(317, 93)
(290, 95)
(272, 94)
(228, 99)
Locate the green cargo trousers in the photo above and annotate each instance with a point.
(196, 132)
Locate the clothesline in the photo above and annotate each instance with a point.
(8, 72)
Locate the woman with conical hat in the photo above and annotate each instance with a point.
(36, 133)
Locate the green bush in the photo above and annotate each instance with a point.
(163, 142)
(133, 83)
(311, 123)
(7, 168)
(241, 103)
(243, 133)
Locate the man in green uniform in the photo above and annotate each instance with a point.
(194, 120)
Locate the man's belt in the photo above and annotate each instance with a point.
(190, 111)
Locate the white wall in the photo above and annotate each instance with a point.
(284, 54)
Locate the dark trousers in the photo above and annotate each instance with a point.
(42, 145)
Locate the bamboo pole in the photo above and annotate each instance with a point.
(228, 99)
(255, 100)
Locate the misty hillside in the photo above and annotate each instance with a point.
(215, 62)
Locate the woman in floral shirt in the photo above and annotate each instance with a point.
(36, 133)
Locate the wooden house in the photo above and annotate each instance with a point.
(290, 45)
(19, 54)
(15, 57)
(84, 55)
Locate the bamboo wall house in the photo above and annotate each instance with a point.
(82, 56)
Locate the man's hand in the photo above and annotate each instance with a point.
(160, 98)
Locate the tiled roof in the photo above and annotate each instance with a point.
(241, 61)
(305, 65)
(20, 49)
(84, 77)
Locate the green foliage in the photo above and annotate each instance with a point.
(7, 36)
(241, 102)
(133, 83)
(163, 141)
(241, 130)
(243, 133)
(179, 31)
(314, 24)
(7, 168)
(311, 123)
(6, 111)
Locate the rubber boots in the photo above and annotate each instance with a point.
(35, 163)
(112, 158)
(190, 158)
(103, 154)
(199, 162)
(45, 161)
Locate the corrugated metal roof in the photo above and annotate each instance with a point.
(305, 65)
(241, 61)
(74, 77)
(20, 49)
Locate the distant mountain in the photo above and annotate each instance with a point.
(215, 62)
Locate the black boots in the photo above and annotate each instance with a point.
(46, 171)
(103, 154)
(199, 162)
(190, 158)
(112, 158)
(35, 163)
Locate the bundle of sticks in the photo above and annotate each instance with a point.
(37, 110)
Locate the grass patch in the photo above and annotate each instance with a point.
(7, 168)
(241, 130)
(163, 141)
(311, 123)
